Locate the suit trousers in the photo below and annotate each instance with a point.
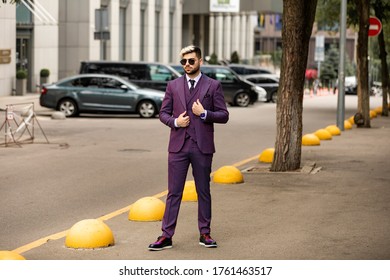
(178, 164)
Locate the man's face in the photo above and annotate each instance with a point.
(192, 63)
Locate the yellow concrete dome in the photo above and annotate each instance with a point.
(147, 209)
(333, 129)
(310, 140)
(323, 134)
(189, 193)
(267, 155)
(228, 175)
(89, 234)
(10, 255)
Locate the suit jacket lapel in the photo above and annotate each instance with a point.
(182, 91)
(204, 84)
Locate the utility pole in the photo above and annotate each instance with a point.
(341, 83)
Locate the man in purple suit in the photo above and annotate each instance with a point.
(191, 106)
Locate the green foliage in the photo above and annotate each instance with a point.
(235, 58)
(213, 59)
(44, 73)
(330, 66)
(277, 57)
(21, 74)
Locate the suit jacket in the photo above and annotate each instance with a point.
(174, 103)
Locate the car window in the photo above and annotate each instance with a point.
(224, 75)
(130, 71)
(82, 82)
(110, 83)
(209, 72)
(238, 70)
(159, 73)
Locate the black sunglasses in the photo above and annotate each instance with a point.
(191, 61)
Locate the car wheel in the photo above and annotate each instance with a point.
(242, 99)
(68, 107)
(146, 109)
(274, 97)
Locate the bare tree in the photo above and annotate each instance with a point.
(298, 18)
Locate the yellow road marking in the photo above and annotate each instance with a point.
(111, 215)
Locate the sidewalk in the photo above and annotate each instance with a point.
(341, 212)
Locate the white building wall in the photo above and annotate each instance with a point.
(243, 36)
(164, 50)
(45, 53)
(176, 29)
(236, 33)
(150, 30)
(227, 38)
(134, 20)
(219, 36)
(8, 42)
(211, 35)
(113, 43)
(77, 27)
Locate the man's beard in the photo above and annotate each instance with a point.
(192, 71)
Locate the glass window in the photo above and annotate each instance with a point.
(224, 75)
(110, 83)
(159, 73)
(23, 15)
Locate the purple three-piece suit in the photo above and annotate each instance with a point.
(191, 145)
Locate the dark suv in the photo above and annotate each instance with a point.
(244, 69)
(144, 74)
(269, 82)
(237, 91)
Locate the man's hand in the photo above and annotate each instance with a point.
(182, 120)
(197, 108)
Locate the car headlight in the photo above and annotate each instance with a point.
(259, 90)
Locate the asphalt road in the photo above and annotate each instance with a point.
(96, 164)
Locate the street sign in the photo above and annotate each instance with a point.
(375, 26)
(319, 54)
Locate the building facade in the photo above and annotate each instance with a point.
(59, 34)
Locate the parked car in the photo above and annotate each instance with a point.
(244, 69)
(237, 91)
(144, 74)
(350, 85)
(178, 68)
(269, 82)
(97, 93)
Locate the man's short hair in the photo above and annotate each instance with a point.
(191, 49)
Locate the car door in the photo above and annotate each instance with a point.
(104, 94)
(152, 76)
(230, 83)
(89, 94)
(117, 96)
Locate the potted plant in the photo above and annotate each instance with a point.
(44, 76)
(21, 82)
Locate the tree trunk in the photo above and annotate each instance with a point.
(382, 55)
(362, 61)
(298, 18)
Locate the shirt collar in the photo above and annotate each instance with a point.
(196, 78)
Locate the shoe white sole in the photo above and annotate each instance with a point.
(159, 249)
(208, 246)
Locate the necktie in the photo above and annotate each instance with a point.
(192, 85)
